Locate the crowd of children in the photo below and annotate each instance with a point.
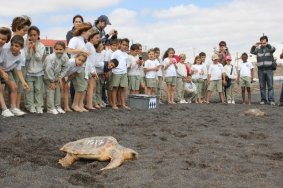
(92, 67)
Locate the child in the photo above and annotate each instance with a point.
(74, 70)
(151, 66)
(77, 45)
(20, 27)
(56, 66)
(134, 69)
(142, 76)
(100, 81)
(34, 52)
(90, 71)
(119, 80)
(113, 47)
(215, 77)
(11, 62)
(245, 77)
(231, 73)
(159, 74)
(170, 66)
(5, 36)
(181, 76)
(204, 76)
(190, 89)
(197, 76)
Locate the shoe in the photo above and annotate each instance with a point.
(183, 102)
(17, 112)
(160, 102)
(60, 110)
(233, 102)
(7, 113)
(189, 101)
(39, 111)
(54, 111)
(229, 101)
(103, 104)
(32, 110)
(262, 103)
(272, 103)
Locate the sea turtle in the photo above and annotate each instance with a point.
(101, 148)
(254, 112)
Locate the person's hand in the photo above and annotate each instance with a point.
(4, 75)
(224, 82)
(25, 86)
(258, 44)
(94, 75)
(112, 32)
(60, 83)
(281, 56)
(52, 85)
(85, 51)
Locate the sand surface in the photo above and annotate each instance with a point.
(192, 145)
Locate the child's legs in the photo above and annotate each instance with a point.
(97, 96)
(50, 96)
(30, 102)
(230, 92)
(66, 90)
(122, 91)
(2, 100)
(90, 90)
(168, 93)
(249, 95)
(114, 97)
(180, 88)
(243, 94)
(57, 95)
(173, 88)
(38, 91)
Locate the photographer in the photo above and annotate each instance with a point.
(100, 24)
(264, 53)
(223, 52)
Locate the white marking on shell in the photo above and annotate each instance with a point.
(96, 142)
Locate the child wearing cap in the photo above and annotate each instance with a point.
(231, 74)
(215, 76)
(245, 77)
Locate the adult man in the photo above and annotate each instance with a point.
(264, 53)
(100, 24)
(281, 96)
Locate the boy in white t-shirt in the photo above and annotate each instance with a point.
(134, 69)
(151, 66)
(245, 77)
(215, 75)
(11, 62)
(119, 79)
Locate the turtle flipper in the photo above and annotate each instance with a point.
(113, 163)
(68, 160)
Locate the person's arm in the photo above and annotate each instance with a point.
(72, 76)
(64, 67)
(76, 51)
(252, 75)
(4, 75)
(22, 80)
(39, 52)
(254, 49)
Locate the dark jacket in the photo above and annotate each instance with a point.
(264, 56)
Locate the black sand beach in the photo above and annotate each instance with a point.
(191, 145)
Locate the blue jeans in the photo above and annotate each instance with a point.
(265, 77)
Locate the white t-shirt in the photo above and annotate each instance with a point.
(77, 43)
(99, 62)
(73, 68)
(228, 70)
(197, 71)
(134, 68)
(89, 65)
(122, 57)
(9, 61)
(151, 64)
(171, 70)
(216, 70)
(182, 70)
(108, 54)
(245, 69)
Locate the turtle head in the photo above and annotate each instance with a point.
(129, 154)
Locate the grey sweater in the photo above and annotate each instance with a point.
(34, 63)
(264, 56)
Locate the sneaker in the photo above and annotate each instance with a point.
(272, 103)
(54, 111)
(39, 111)
(189, 101)
(17, 112)
(183, 102)
(229, 101)
(262, 103)
(32, 110)
(7, 113)
(160, 102)
(104, 104)
(233, 102)
(60, 110)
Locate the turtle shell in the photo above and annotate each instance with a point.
(91, 145)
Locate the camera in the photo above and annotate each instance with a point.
(140, 57)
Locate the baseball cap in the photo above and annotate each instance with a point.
(228, 57)
(104, 18)
(214, 57)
